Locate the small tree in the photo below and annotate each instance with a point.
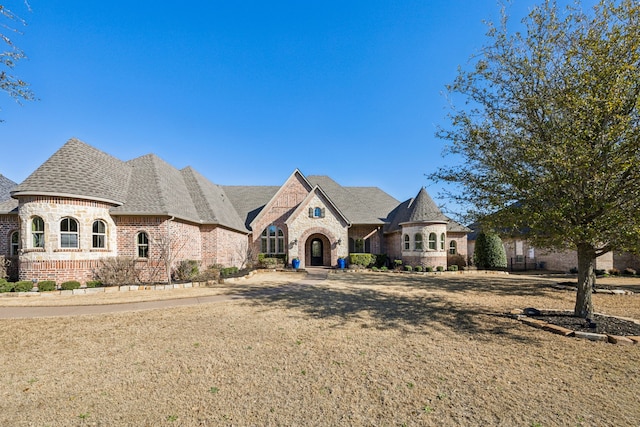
(489, 253)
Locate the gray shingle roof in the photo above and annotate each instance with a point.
(211, 201)
(422, 208)
(249, 200)
(157, 188)
(6, 185)
(361, 205)
(77, 169)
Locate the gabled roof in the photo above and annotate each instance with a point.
(81, 171)
(295, 175)
(360, 205)
(317, 190)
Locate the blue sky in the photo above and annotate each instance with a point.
(246, 91)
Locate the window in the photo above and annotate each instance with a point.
(37, 232)
(359, 246)
(352, 245)
(407, 244)
(442, 238)
(68, 233)
(99, 235)
(14, 244)
(143, 245)
(432, 241)
(316, 212)
(418, 242)
(453, 249)
(272, 241)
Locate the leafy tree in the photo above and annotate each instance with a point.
(549, 132)
(489, 253)
(16, 88)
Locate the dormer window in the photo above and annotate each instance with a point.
(316, 212)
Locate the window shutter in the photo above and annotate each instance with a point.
(322, 213)
(310, 212)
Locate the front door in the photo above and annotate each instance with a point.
(316, 252)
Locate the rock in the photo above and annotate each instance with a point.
(591, 336)
(616, 339)
(529, 311)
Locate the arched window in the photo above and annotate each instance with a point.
(417, 242)
(99, 235)
(14, 243)
(407, 244)
(442, 238)
(142, 241)
(68, 233)
(453, 249)
(352, 245)
(37, 232)
(272, 241)
(432, 241)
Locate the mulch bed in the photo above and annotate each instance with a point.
(600, 324)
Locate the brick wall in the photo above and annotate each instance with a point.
(425, 257)
(8, 224)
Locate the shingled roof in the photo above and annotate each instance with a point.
(421, 209)
(7, 204)
(360, 205)
(6, 185)
(211, 201)
(79, 170)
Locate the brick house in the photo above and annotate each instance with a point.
(83, 205)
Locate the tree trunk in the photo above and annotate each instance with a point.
(586, 280)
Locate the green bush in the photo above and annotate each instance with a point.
(397, 264)
(612, 271)
(452, 268)
(70, 285)
(489, 252)
(429, 269)
(47, 286)
(23, 286)
(384, 268)
(362, 259)
(228, 271)
(94, 284)
(408, 268)
(440, 268)
(381, 260)
(419, 268)
(6, 286)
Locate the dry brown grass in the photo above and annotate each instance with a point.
(357, 349)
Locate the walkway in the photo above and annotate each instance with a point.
(314, 275)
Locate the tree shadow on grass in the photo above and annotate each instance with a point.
(493, 284)
(386, 310)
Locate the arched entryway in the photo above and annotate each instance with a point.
(317, 250)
